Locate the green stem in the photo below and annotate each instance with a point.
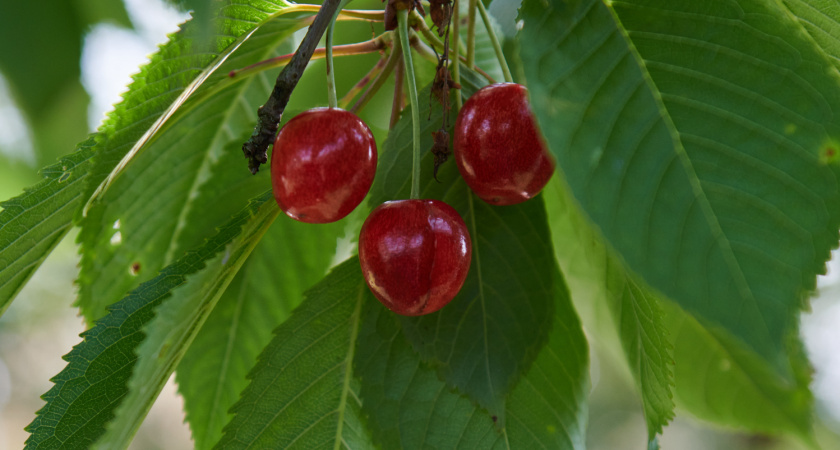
(397, 104)
(456, 68)
(434, 40)
(495, 42)
(402, 21)
(373, 88)
(331, 97)
(355, 90)
(471, 33)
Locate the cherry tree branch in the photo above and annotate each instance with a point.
(269, 114)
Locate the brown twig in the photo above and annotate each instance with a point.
(269, 114)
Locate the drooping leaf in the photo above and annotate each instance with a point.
(592, 268)
(44, 213)
(491, 332)
(157, 201)
(409, 407)
(94, 382)
(177, 322)
(695, 135)
(291, 257)
(301, 393)
(33, 223)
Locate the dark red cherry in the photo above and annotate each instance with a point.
(415, 255)
(498, 148)
(322, 165)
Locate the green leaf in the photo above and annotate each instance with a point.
(592, 268)
(410, 407)
(548, 408)
(177, 322)
(301, 392)
(291, 257)
(719, 380)
(158, 199)
(33, 223)
(493, 329)
(691, 134)
(95, 380)
(407, 405)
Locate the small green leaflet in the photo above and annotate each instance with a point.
(291, 257)
(706, 179)
(302, 393)
(409, 407)
(490, 333)
(95, 380)
(591, 267)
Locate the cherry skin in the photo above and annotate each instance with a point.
(415, 255)
(498, 148)
(322, 165)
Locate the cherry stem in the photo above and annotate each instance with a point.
(417, 19)
(402, 22)
(359, 48)
(495, 42)
(471, 33)
(354, 91)
(269, 114)
(380, 79)
(332, 99)
(426, 52)
(456, 70)
(397, 105)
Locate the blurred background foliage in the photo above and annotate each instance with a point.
(59, 74)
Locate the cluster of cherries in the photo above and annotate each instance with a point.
(415, 254)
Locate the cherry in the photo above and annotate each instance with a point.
(415, 255)
(322, 165)
(498, 148)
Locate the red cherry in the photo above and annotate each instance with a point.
(322, 165)
(415, 255)
(498, 148)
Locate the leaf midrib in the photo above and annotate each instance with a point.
(480, 290)
(355, 318)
